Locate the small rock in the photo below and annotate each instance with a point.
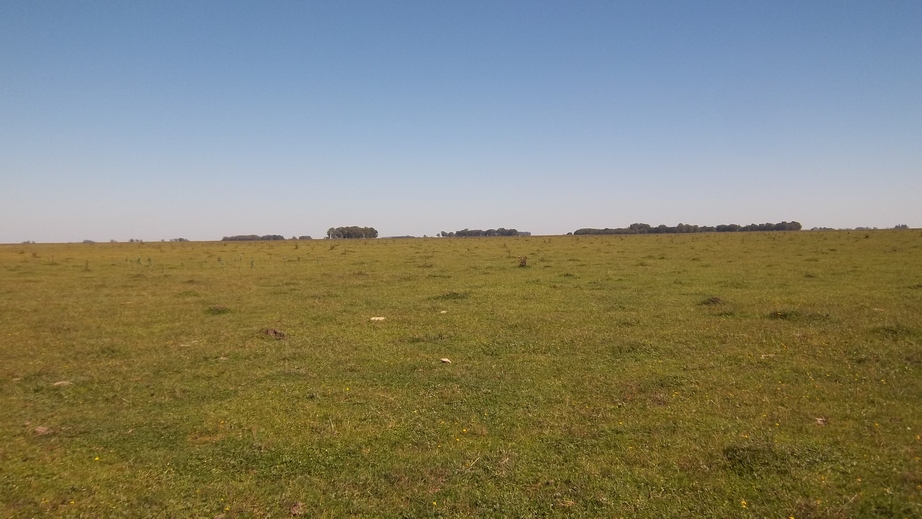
(445, 361)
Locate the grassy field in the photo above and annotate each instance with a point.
(722, 375)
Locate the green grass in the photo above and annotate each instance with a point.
(728, 375)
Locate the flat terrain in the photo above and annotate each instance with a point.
(722, 375)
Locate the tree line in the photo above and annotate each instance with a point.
(643, 228)
(253, 237)
(467, 233)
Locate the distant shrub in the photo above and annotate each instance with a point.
(797, 315)
(452, 296)
(785, 315)
(756, 459)
(893, 331)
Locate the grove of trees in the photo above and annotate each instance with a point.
(644, 228)
(352, 232)
(466, 233)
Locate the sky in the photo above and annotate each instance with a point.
(202, 119)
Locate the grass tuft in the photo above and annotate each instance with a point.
(452, 296)
(894, 332)
(218, 310)
(757, 459)
(785, 315)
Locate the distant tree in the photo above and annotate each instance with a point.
(640, 228)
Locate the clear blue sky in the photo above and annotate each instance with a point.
(201, 119)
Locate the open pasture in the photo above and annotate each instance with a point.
(723, 375)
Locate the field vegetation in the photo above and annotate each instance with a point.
(723, 375)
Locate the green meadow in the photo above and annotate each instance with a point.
(726, 375)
